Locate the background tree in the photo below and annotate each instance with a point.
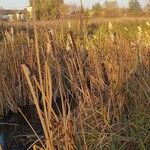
(147, 8)
(110, 4)
(47, 9)
(111, 8)
(96, 9)
(134, 6)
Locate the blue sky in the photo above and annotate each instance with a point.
(18, 4)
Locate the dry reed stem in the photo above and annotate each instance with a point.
(37, 106)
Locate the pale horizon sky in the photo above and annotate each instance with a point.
(20, 4)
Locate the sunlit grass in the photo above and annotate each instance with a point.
(106, 70)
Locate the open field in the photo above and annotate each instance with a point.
(83, 85)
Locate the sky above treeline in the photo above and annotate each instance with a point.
(20, 4)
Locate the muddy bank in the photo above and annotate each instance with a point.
(16, 134)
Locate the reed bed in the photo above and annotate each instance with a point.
(99, 72)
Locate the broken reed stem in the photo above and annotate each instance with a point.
(44, 125)
(46, 99)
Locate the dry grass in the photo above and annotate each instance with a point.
(107, 73)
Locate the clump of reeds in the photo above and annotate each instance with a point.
(100, 72)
